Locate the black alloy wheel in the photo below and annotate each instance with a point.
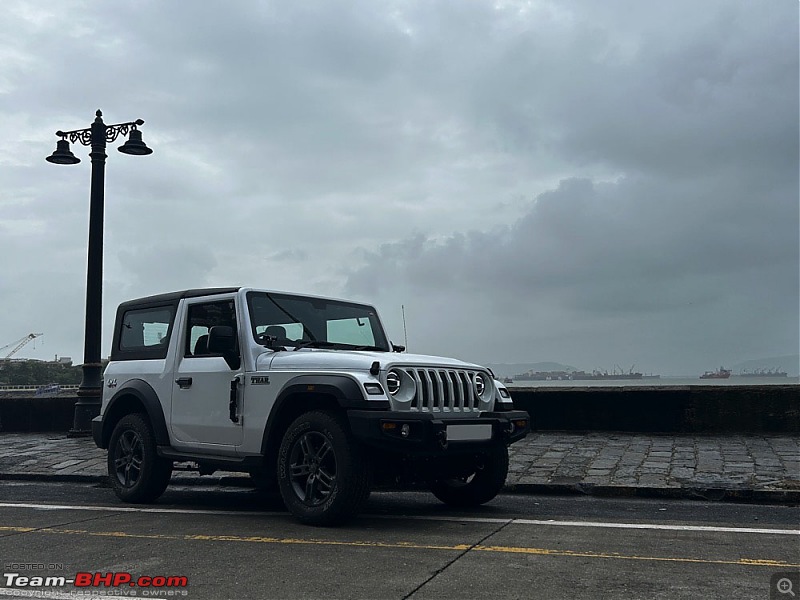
(312, 465)
(128, 458)
(323, 472)
(136, 472)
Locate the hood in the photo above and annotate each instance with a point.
(343, 360)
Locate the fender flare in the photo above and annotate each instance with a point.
(146, 395)
(346, 391)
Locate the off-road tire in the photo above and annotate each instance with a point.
(323, 474)
(136, 472)
(483, 484)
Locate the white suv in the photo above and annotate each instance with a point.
(304, 393)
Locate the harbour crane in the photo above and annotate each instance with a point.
(18, 344)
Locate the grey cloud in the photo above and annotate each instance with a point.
(533, 164)
(290, 255)
(636, 253)
(168, 265)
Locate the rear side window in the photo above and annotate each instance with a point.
(144, 332)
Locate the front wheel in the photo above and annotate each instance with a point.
(482, 483)
(322, 472)
(136, 471)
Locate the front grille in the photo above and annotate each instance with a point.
(443, 390)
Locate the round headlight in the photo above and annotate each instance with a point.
(393, 382)
(480, 385)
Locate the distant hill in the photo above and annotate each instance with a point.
(510, 370)
(789, 363)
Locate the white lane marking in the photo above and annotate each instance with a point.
(32, 593)
(660, 526)
(135, 509)
(656, 526)
(192, 511)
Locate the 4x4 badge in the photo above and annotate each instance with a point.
(259, 380)
(112, 383)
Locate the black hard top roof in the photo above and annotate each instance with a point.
(175, 296)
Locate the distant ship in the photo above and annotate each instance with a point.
(543, 376)
(763, 373)
(603, 375)
(616, 374)
(722, 373)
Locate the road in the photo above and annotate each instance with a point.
(237, 543)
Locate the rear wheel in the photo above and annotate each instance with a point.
(136, 471)
(322, 471)
(477, 486)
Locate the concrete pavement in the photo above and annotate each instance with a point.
(747, 467)
(235, 544)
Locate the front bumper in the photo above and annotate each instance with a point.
(428, 433)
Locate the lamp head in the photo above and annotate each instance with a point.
(135, 145)
(63, 155)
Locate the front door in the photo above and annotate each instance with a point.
(201, 387)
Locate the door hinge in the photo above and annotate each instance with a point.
(234, 399)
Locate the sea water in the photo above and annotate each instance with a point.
(660, 382)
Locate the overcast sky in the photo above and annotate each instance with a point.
(594, 183)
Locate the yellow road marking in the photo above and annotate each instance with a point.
(749, 562)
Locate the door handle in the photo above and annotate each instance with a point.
(184, 382)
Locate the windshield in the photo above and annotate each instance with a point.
(299, 321)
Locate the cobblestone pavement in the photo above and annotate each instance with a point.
(761, 466)
(631, 460)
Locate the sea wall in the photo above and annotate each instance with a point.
(678, 409)
(25, 412)
(665, 409)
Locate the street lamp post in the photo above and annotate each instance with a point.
(97, 136)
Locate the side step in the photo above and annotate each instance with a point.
(229, 463)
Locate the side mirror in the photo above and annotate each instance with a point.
(222, 340)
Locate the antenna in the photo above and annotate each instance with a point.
(405, 331)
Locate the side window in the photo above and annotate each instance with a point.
(145, 329)
(201, 318)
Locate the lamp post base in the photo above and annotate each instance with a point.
(86, 408)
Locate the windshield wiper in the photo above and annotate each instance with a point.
(378, 348)
(314, 344)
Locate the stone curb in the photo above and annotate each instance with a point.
(709, 494)
(55, 477)
(712, 494)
